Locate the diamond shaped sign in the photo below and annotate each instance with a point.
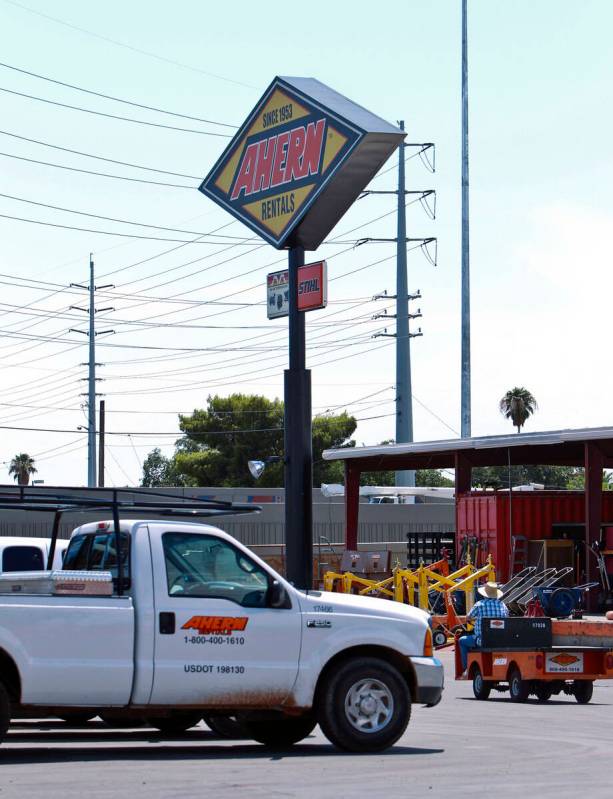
(299, 161)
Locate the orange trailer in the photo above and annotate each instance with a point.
(579, 653)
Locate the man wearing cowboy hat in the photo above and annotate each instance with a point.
(491, 607)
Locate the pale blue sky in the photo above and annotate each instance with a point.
(541, 208)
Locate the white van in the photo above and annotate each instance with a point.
(25, 554)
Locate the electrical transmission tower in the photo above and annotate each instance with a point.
(91, 394)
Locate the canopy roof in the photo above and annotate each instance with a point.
(554, 447)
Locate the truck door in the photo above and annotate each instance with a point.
(217, 640)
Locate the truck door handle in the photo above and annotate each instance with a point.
(167, 623)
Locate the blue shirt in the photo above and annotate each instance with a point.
(490, 608)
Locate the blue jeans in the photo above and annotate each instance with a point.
(467, 642)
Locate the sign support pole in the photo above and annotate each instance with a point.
(298, 441)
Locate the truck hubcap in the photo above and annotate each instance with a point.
(369, 705)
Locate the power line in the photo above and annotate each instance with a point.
(127, 221)
(130, 47)
(99, 157)
(115, 99)
(98, 174)
(111, 232)
(113, 116)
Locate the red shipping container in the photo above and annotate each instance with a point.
(490, 518)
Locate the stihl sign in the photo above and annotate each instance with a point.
(312, 289)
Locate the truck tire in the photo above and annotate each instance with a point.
(176, 723)
(364, 705)
(583, 690)
(5, 712)
(518, 688)
(226, 727)
(481, 688)
(280, 733)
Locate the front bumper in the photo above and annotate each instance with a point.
(430, 680)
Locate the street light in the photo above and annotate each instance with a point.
(257, 467)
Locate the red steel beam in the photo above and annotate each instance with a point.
(352, 503)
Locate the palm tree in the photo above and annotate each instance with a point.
(22, 466)
(518, 404)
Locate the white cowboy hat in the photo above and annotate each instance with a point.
(490, 591)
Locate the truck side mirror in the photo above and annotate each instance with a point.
(278, 596)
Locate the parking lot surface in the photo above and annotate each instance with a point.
(556, 749)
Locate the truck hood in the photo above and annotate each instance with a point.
(350, 604)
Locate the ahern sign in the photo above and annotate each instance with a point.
(287, 172)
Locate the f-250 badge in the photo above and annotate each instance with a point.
(220, 625)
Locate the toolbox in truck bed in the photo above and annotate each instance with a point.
(84, 583)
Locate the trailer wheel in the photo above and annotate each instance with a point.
(280, 733)
(364, 705)
(543, 691)
(583, 690)
(5, 712)
(481, 688)
(439, 638)
(518, 688)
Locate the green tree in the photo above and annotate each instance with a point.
(518, 404)
(159, 470)
(21, 467)
(219, 440)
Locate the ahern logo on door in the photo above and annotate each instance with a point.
(220, 625)
(280, 160)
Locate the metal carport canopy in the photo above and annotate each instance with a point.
(591, 447)
(556, 447)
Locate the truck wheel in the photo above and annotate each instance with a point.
(282, 732)
(583, 690)
(481, 688)
(226, 727)
(5, 712)
(543, 691)
(518, 688)
(176, 723)
(364, 706)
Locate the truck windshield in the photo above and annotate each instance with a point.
(205, 566)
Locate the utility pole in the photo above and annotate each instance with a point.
(91, 400)
(91, 333)
(465, 389)
(404, 396)
(102, 427)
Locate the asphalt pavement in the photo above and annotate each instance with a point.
(462, 747)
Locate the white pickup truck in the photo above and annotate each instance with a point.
(203, 626)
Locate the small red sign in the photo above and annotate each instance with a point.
(312, 286)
